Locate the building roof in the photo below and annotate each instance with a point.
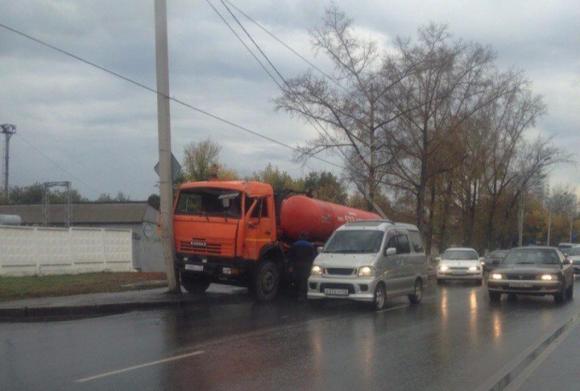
(90, 213)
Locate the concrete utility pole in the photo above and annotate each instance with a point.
(164, 135)
(8, 131)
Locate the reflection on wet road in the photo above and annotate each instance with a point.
(454, 340)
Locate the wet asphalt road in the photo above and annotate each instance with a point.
(453, 340)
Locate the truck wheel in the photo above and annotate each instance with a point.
(194, 284)
(266, 281)
(416, 297)
(380, 297)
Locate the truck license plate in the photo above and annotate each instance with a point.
(194, 268)
(336, 292)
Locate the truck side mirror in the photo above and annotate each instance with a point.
(390, 251)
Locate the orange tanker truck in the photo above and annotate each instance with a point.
(240, 233)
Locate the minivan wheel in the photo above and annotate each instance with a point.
(416, 297)
(380, 297)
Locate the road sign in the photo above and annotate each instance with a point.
(175, 168)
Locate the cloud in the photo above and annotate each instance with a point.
(104, 131)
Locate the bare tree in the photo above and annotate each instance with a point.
(351, 119)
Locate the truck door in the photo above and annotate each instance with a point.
(259, 227)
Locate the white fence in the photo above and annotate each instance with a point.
(40, 250)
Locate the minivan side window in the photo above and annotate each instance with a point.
(417, 242)
(403, 244)
(392, 243)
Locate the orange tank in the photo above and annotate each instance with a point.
(314, 219)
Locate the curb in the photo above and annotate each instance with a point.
(35, 314)
(507, 378)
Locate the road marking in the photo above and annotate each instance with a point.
(148, 364)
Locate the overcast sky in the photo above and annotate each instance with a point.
(77, 123)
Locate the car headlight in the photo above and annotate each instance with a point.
(366, 271)
(482, 263)
(496, 276)
(548, 277)
(443, 268)
(316, 270)
(473, 268)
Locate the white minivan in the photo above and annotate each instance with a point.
(370, 261)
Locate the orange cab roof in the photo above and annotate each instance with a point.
(252, 188)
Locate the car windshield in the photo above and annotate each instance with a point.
(532, 256)
(460, 255)
(355, 241)
(209, 202)
(574, 251)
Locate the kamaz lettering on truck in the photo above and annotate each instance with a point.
(239, 233)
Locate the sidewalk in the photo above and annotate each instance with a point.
(94, 304)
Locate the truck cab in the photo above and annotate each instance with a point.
(221, 230)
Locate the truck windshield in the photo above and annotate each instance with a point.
(355, 241)
(209, 202)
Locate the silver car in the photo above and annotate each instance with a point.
(370, 261)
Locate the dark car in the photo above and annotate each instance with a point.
(493, 259)
(532, 271)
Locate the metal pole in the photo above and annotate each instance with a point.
(521, 220)
(164, 135)
(549, 226)
(8, 130)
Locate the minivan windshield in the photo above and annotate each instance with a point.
(355, 242)
(532, 256)
(209, 202)
(460, 255)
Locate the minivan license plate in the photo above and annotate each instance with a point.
(336, 292)
(195, 268)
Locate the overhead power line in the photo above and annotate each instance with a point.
(312, 119)
(290, 48)
(153, 90)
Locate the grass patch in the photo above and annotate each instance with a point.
(12, 288)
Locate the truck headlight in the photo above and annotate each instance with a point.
(496, 276)
(443, 268)
(316, 270)
(366, 271)
(548, 277)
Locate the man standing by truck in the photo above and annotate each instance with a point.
(302, 254)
